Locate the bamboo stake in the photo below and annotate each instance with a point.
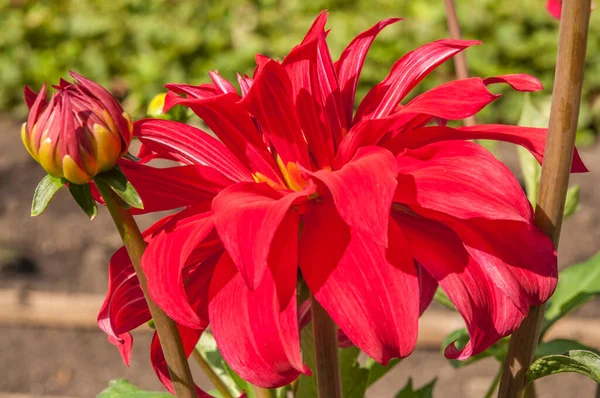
(460, 60)
(554, 180)
(170, 341)
(327, 363)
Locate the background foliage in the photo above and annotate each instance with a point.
(136, 46)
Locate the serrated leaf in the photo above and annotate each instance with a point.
(124, 389)
(44, 192)
(377, 370)
(117, 181)
(578, 361)
(83, 197)
(560, 346)
(577, 285)
(572, 201)
(354, 378)
(424, 392)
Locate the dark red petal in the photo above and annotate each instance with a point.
(406, 73)
(247, 217)
(271, 102)
(167, 254)
(345, 271)
(350, 64)
(30, 96)
(190, 145)
(531, 138)
(363, 190)
(488, 313)
(257, 337)
(189, 338)
(173, 187)
(460, 179)
(233, 125)
(427, 287)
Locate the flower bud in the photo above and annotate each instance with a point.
(80, 132)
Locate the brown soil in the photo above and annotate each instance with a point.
(62, 251)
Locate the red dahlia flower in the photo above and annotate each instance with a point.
(374, 208)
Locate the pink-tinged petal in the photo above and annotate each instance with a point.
(301, 66)
(189, 338)
(166, 256)
(531, 138)
(347, 273)
(257, 336)
(519, 82)
(363, 190)
(124, 344)
(271, 102)
(554, 7)
(460, 179)
(173, 187)
(489, 314)
(31, 96)
(221, 83)
(247, 217)
(233, 125)
(190, 145)
(406, 73)
(350, 64)
(427, 287)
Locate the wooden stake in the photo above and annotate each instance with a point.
(554, 180)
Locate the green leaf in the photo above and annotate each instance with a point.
(424, 392)
(442, 299)
(307, 385)
(207, 347)
(124, 389)
(377, 370)
(115, 179)
(560, 346)
(577, 285)
(572, 202)
(83, 197)
(45, 191)
(354, 378)
(578, 361)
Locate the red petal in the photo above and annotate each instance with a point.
(363, 190)
(554, 7)
(347, 273)
(534, 139)
(351, 61)
(201, 91)
(221, 83)
(461, 179)
(257, 337)
(247, 216)
(190, 145)
(31, 96)
(271, 102)
(488, 313)
(173, 187)
(167, 254)
(519, 82)
(427, 287)
(124, 343)
(189, 337)
(232, 124)
(406, 73)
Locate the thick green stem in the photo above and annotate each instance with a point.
(554, 180)
(170, 341)
(329, 381)
(212, 376)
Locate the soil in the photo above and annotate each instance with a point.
(62, 251)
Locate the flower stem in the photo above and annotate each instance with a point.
(329, 381)
(554, 180)
(460, 60)
(170, 341)
(260, 392)
(212, 376)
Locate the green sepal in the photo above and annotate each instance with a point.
(124, 389)
(424, 392)
(45, 191)
(578, 361)
(83, 197)
(117, 181)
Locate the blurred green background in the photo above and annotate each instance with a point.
(134, 47)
